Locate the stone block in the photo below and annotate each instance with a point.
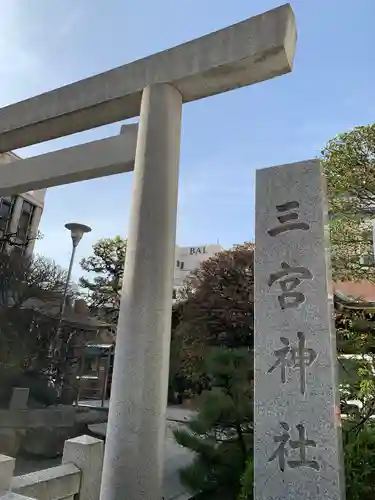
(55, 483)
(49, 441)
(10, 495)
(10, 441)
(113, 155)
(20, 396)
(86, 453)
(297, 438)
(91, 416)
(6, 472)
(62, 416)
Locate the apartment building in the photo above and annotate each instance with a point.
(19, 216)
(188, 259)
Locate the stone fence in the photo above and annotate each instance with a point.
(78, 477)
(42, 431)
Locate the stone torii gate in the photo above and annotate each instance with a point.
(154, 88)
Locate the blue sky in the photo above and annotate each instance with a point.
(48, 43)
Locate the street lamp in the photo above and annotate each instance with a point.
(76, 232)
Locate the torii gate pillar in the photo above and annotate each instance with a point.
(136, 423)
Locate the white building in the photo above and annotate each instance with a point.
(20, 216)
(188, 259)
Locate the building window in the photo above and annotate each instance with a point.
(25, 219)
(5, 212)
(6, 208)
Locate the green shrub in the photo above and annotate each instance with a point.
(247, 481)
(360, 463)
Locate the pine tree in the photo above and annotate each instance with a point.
(222, 433)
(106, 268)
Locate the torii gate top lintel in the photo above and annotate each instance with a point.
(248, 52)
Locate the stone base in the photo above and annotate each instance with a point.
(42, 433)
(49, 442)
(10, 441)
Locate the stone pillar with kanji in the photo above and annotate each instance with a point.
(297, 437)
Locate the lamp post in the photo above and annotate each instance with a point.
(76, 232)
